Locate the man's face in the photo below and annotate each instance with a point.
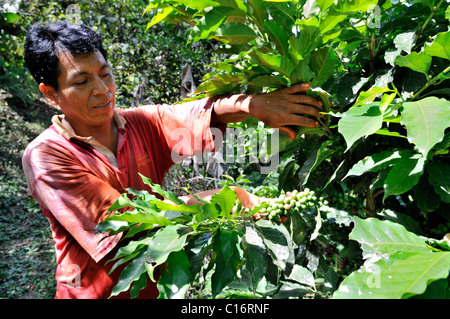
(86, 92)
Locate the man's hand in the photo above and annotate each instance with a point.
(286, 107)
(278, 109)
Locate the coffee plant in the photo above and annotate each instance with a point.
(376, 225)
(221, 249)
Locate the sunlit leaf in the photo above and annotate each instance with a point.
(360, 121)
(426, 121)
(419, 62)
(440, 46)
(234, 33)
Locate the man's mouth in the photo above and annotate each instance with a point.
(103, 106)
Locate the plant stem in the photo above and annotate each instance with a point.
(430, 82)
(396, 91)
(433, 12)
(325, 127)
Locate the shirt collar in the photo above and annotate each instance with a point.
(66, 130)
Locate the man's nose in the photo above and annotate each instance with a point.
(100, 86)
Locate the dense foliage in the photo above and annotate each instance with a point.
(380, 158)
(27, 253)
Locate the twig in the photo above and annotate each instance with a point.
(324, 126)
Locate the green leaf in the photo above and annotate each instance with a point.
(302, 73)
(426, 197)
(426, 121)
(369, 96)
(111, 227)
(278, 35)
(277, 63)
(405, 41)
(138, 216)
(317, 226)
(385, 237)
(234, 33)
(164, 206)
(131, 247)
(213, 88)
(408, 222)
(278, 242)
(210, 22)
(160, 16)
(330, 21)
(302, 275)
(308, 39)
(324, 4)
(386, 100)
(131, 273)
(138, 285)
(124, 201)
(298, 229)
(307, 167)
(226, 245)
(166, 240)
(354, 5)
(440, 46)
(386, 132)
(407, 167)
(271, 81)
(158, 189)
(324, 64)
(255, 256)
(404, 175)
(378, 161)
(360, 121)
(419, 62)
(439, 176)
(209, 211)
(175, 276)
(226, 199)
(402, 275)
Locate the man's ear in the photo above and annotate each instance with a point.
(50, 93)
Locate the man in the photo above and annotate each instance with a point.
(82, 163)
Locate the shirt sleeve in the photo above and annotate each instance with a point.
(76, 198)
(187, 127)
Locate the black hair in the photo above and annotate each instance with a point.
(45, 42)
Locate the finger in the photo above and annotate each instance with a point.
(306, 99)
(297, 88)
(302, 109)
(288, 132)
(299, 120)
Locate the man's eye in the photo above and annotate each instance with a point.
(105, 75)
(81, 82)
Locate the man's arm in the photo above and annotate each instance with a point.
(277, 109)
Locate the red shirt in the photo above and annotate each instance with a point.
(75, 180)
